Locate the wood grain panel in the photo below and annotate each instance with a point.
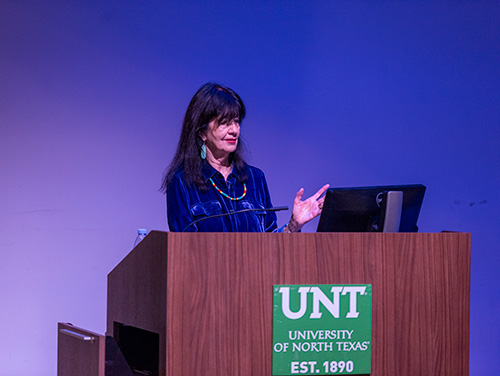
(79, 352)
(218, 308)
(137, 289)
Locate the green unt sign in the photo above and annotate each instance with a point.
(322, 329)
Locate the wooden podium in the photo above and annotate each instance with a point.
(209, 296)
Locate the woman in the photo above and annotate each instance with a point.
(208, 181)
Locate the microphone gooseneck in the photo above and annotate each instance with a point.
(275, 208)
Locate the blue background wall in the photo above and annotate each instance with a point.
(349, 93)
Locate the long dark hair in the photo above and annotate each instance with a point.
(211, 102)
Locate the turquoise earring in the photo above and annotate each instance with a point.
(203, 153)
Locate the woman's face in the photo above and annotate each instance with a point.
(222, 139)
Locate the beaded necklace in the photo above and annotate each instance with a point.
(226, 195)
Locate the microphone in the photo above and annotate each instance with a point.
(275, 208)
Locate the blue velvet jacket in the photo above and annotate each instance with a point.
(186, 203)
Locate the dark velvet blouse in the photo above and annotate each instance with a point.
(186, 203)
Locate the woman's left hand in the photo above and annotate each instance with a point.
(304, 211)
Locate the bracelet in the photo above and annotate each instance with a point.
(290, 226)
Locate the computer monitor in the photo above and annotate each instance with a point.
(363, 209)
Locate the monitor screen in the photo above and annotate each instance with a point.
(359, 209)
